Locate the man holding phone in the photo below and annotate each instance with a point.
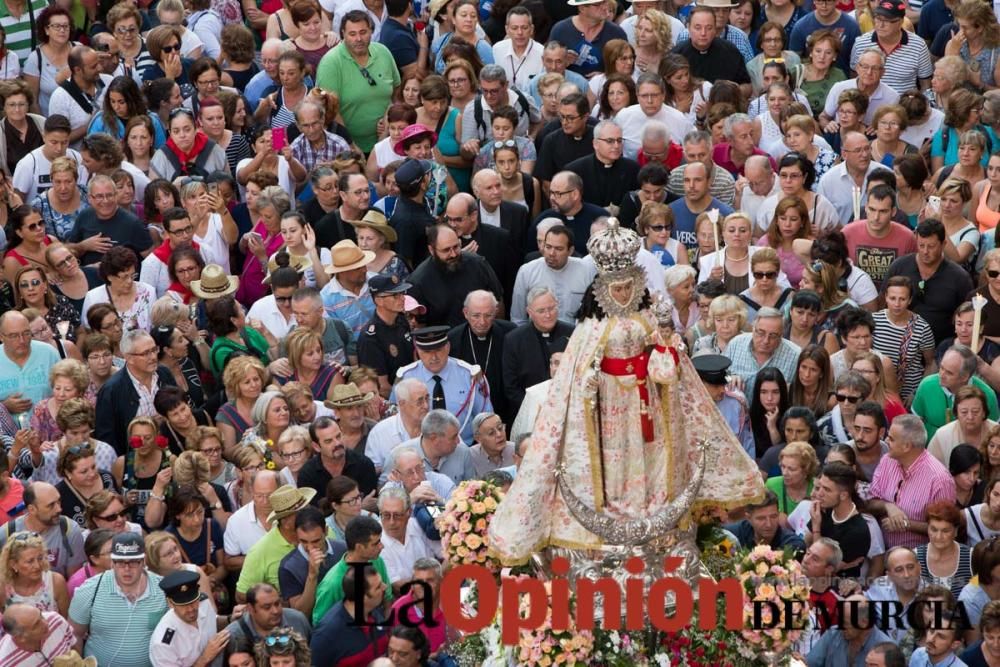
(316, 145)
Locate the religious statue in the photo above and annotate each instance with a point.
(628, 443)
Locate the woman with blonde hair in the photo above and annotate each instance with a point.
(765, 265)
(248, 462)
(67, 379)
(977, 42)
(164, 555)
(799, 132)
(294, 446)
(732, 263)
(192, 469)
(27, 576)
(208, 441)
(973, 147)
(820, 72)
(727, 318)
(652, 40)
(283, 647)
(961, 235)
(989, 449)
(305, 357)
(824, 279)
(870, 365)
(655, 223)
(799, 466)
(244, 379)
(963, 113)
(64, 201)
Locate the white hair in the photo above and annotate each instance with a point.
(677, 274)
(405, 388)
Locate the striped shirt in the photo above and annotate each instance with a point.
(355, 310)
(888, 340)
(59, 639)
(904, 65)
(740, 352)
(911, 490)
(19, 38)
(238, 149)
(119, 631)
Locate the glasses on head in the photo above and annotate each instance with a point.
(509, 143)
(850, 399)
(76, 450)
(278, 640)
(114, 516)
(24, 536)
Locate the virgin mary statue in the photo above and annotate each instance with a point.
(629, 442)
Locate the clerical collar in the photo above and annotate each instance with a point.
(482, 338)
(545, 334)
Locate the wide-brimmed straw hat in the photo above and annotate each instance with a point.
(347, 256)
(288, 500)
(347, 396)
(375, 219)
(215, 283)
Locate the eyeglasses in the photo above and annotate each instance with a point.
(114, 516)
(889, 124)
(612, 140)
(459, 82)
(765, 275)
(394, 516)
(16, 105)
(297, 454)
(212, 83)
(183, 231)
(567, 118)
(76, 450)
(659, 228)
(100, 356)
(556, 193)
(211, 451)
(122, 30)
(356, 500)
(61, 27)
(129, 564)
(22, 335)
(496, 430)
(34, 282)
(850, 399)
(117, 324)
(368, 77)
(66, 263)
(768, 336)
(186, 271)
(151, 352)
(111, 196)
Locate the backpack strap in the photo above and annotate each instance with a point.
(522, 101)
(78, 95)
(64, 523)
(975, 523)
(342, 330)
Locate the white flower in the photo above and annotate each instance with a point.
(662, 659)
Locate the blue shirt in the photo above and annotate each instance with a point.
(832, 651)
(462, 397)
(684, 218)
(32, 379)
(483, 49)
(261, 85)
(921, 659)
(934, 15)
(785, 359)
(401, 42)
(589, 57)
(577, 80)
(159, 137)
(734, 411)
(845, 27)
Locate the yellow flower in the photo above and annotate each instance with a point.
(479, 508)
(473, 541)
(270, 465)
(481, 524)
(762, 569)
(461, 506)
(465, 527)
(456, 540)
(490, 504)
(462, 552)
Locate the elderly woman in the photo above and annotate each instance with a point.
(214, 228)
(771, 43)
(890, 120)
(164, 554)
(68, 379)
(20, 131)
(164, 44)
(27, 576)
(168, 312)
(766, 290)
(184, 267)
(852, 105)
(31, 290)
(60, 205)
(278, 109)
(963, 113)
(943, 560)
(374, 234)
(306, 359)
(81, 480)
(188, 152)
(244, 379)
(655, 223)
(294, 447)
(800, 136)
(679, 282)
(463, 83)
(492, 449)
(950, 73)
(227, 321)
(820, 71)
(970, 426)
(98, 354)
(727, 317)
(75, 419)
(271, 416)
(129, 297)
(107, 510)
(977, 42)
(125, 22)
(262, 242)
(732, 263)
(799, 466)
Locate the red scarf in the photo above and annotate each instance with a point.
(164, 250)
(187, 159)
(183, 291)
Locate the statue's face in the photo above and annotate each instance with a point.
(621, 291)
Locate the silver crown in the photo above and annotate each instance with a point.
(615, 248)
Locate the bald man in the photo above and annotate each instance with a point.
(32, 637)
(495, 212)
(491, 243)
(24, 365)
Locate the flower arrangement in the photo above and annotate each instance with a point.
(264, 447)
(775, 577)
(544, 646)
(465, 521)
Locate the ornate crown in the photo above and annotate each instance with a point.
(615, 248)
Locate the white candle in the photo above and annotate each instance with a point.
(713, 216)
(856, 197)
(978, 303)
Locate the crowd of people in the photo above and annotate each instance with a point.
(277, 276)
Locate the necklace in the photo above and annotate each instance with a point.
(735, 259)
(833, 515)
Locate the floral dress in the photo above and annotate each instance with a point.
(59, 224)
(43, 423)
(395, 267)
(824, 162)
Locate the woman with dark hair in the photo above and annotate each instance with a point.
(164, 44)
(212, 121)
(238, 44)
(465, 19)
(965, 463)
(398, 117)
(685, 92)
(200, 537)
(619, 58)
(436, 111)
(102, 318)
(122, 101)
(206, 75)
(796, 177)
(130, 298)
(903, 336)
(138, 142)
(518, 186)
(852, 105)
(184, 267)
(180, 420)
(277, 110)
(790, 223)
(80, 480)
(97, 548)
(173, 350)
(188, 152)
(343, 501)
(235, 108)
(160, 195)
(745, 16)
(227, 321)
(32, 290)
(798, 424)
(162, 97)
(618, 93)
(769, 402)
(772, 42)
(813, 381)
(53, 27)
(911, 174)
(983, 518)
(20, 131)
(26, 241)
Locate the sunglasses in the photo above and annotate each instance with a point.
(171, 48)
(509, 143)
(24, 536)
(368, 77)
(850, 399)
(35, 226)
(281, 640)
(283, 299)
(76, 450)
(762, 275)
(992, 273)
(34, 282)
(659, 228)
(114, 516)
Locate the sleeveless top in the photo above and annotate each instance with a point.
(228, 414)
(42, 599)
(769, 130)
(449, 145)
(137, 489)
(986, 217)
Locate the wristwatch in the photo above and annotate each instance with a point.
(217, 505)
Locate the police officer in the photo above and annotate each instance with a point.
(454, 385)
(712, 371)
(187, 635)
(385, 342)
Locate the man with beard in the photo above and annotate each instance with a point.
(566, 197)
(489, 242)
(480, 340)
(568, 277)
(869, 436)
(442, 281)
(528, 348)
(332, 458)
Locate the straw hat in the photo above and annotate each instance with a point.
(717, 4)
(435, 8)
(298, 262)
(73, 659)
(375, 219)
(288, 500)
(347, 396)
(214, 283)
(347, 256)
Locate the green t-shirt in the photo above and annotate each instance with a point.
(363, 99)
(330, 591)
(223, 348)
(264, 560)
